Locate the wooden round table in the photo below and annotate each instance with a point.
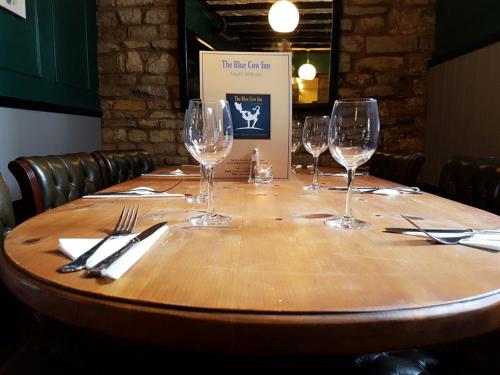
(276, 280)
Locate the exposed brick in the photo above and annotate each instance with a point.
(385, 48)
(388, 44)
(364, 10)
(413, 21)
(130, 16)
(370, 25)
(107, 19)
(127, 3)
(160, 64)
(379, 63)
(134, 44)
(352, 43)
(358, 79)
(129, 105)
(137, 135)
(153, 90)
(165, 43)
(142, 33)
(378, 90)
(346, 25)
(163, 135)
(156, 16)
(134, 63)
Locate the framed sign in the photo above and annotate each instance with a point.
(257, 86)
(16, 6)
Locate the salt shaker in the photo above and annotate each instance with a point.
(254, 164)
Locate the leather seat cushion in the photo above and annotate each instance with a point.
(403, 169)
(63, 178)
(127, 164)
(6, 212)
(472, 181)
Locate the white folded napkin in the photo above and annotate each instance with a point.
(175, 173)
(390, 191)
(74, 247)
(141, 191)
(490, 241)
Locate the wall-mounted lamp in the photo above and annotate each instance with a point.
(283, 16)
(307, 71)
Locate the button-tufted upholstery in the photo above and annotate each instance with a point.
(6, 212)
(50, 181)
(473, 181)
(403, 169)
(123, 165)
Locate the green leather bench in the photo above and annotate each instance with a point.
(122, 165)
(472, 181)
(6, 212)
(50, 181)
(403, 169)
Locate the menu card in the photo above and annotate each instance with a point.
(258, 88)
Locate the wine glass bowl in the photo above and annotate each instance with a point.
(315, 141)
(352, 140)
(192, 115)
(208, 136)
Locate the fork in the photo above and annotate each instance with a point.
(404, 189)
(124, 226)
(441, 240)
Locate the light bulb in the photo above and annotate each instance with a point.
(307, 71)
(283, 16)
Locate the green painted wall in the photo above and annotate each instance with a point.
(51, 56)
(462, 24)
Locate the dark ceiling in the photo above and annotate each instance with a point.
(247, 20)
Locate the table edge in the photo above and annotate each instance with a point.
(239, 332)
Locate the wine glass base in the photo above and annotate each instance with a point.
(199, 198)
(207, 220)
(347, 223)
(314, 187)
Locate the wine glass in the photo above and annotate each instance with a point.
(296, 140)
(352, 140)
(192, 115)
(210, 138)
(315, 141)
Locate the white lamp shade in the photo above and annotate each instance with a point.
(283, 16)
(307, 71)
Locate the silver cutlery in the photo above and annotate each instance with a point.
(100, 267)
(124, 226)
(443, 231)
(442, 240)
(371, 189)
(330, 174)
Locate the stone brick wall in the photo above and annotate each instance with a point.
(139, 78)
(385, 46)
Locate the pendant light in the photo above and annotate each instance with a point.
(307, 71)
(283, 16)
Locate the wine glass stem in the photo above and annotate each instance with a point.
(210, 172)
(350, 180)
(203, 178)
(315, 175)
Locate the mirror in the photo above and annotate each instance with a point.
(243, 25)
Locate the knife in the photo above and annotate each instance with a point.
(441, 230)
(105, 263)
